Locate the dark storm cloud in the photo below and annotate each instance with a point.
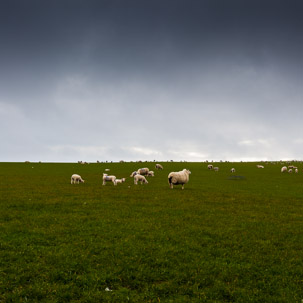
(226, 71)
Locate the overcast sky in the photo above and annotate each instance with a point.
(151, 80)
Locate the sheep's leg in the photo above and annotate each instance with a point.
(182, 186)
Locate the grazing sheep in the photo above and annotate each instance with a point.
(283, 169)
(151, 173)
(296, 170)
(143, 171)
(76, 179)
(159, 166)
(107, 178)
(119, 181)
(133, 174)
(210, 166)
(140, 178)
(260, 166)
(290, 170)
(216, 168)
(181, 177)
(233, 170)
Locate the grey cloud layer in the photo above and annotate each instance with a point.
(153, 79)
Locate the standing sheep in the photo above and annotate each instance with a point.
(140, 178)
(283, 169)
(133, 174)
(159, 166)
(76, 179)
(107, 178)
(143, 171)
(210, 166)
(216, 168)
(151, 174)
(176, 178)
(233, 170)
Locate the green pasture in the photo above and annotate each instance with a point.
(224, 238)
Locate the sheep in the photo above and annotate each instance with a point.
(283, 169)
(76, 179)
(216, 168)
(296, 170)
(140, 178)
(133, 174)
(290, 170)
(210, 166)
(260, 166)
(151, 173)
(107, 178)
(181, 177)
(233, 170)
(143, 171)
(119, 181)
(159, 166)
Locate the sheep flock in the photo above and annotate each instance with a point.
(141, 175)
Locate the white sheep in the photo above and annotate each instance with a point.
(283, 169)
(107, 178)
(151, 173)
(290, 170)
(159, 166)
(181, 177)
(296, 170)
(140, 178)
(233, 170)
(119, 181)
(133, 174)
(216, 168)
(210, 166)
(143, 171)
(76, 179)
(260, 166)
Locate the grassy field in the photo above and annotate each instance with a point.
(222, 239)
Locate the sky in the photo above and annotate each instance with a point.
(130, 80)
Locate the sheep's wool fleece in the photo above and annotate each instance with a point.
(181, 177)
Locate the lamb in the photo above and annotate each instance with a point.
(151, 173)
(260, 166)
(159, 166)
(283, 169)
(107, 178)
(233, 170)
(181, 177)
(296, 170)
(290, 170)
(210, 166)
(143, 171)
(140, 178)
(133, 174)
(216, 168)
(76, 179)
(119, 181)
